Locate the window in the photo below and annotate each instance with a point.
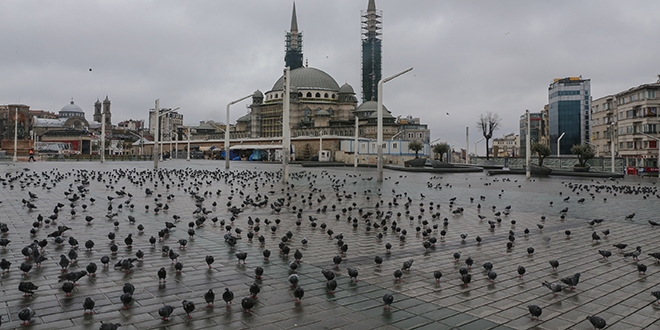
(630, 114)
(394, 145)
(650, 128)
(630, 145)
(325, 95)
(318, 94)
(309, 94)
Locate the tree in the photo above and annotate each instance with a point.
(488, 123)
(415, 146)
(584, 153)
(440, 149)
(542, 150)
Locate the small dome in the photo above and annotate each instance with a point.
(322, 112)
(308, 78)
(258, 94)
(372, 106)
(346, 89)
(246, 118)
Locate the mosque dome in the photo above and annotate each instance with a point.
(305, 78)
(71, 110)
(371, 107)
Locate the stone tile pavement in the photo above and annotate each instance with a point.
(612, 288)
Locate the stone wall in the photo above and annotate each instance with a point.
(600, 164)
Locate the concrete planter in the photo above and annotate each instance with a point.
(417, 162)
(578, 168)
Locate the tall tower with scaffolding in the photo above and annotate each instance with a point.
(293, 56)
(371, 51)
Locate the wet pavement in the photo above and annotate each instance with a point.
(612, 289)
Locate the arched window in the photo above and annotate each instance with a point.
(318, 94)
(277, 95)
(309, 94)
(325, 95)
(333, 96)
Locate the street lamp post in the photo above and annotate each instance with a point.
(320, 144)
(286, 129)
(612, 148)
(559, 146)
(528, 148)
(467, 146)
(188, 136)
(227, 130)
(357, 145)
(380, 121)
(157, 118)
(15, 158)
(475, 145)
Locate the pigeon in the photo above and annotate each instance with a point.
(378, 260)
(298, 293)
(188, 307)
(26, 314)
(605, 253)
(457, 256)
(254, 290)
(554, 287)
(258, 272)
(209, 297)
(655, 255)
(209, 260)
(466, 278)
(597, 321)
(388, 299)
(571, 281)
(88, 305)
(241, 256)
(337, 260)
(126, 299)
(492, 275)
(554, 264)
(437, 275)
(397, 275)
(535, 311)
(293, 279)
(5, 264)
(227, 296)
(352, 274)
(68, 287)
(109, 326)
(72, 277)
(634, 254)
(248, 303)
(27, 288)
(521, 271)
(332, 286)
(530, 251)
(165, 312)
(266, 254)
(162, 274)
(297, 255)
(25, 268)
(595, 237)
(641, 269)
(407, 264)
(656, 294)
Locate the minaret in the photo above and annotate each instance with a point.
(371, 52)
(106, 110)
(97, 111)
(293, 44)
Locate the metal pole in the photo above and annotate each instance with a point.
(155, 148)
(320, 144)
(357, 145)
(467, 146)
(141, 141)
(559, 146)
(176, 143)
(227, 130)
(380, 121)
(188, 135)
(612, 146)
(160, 138)
(103, 137)
(286, 133)
(15, 158)
(528, 148)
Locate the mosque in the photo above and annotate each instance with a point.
(318, 105)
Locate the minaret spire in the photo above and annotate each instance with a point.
(293, 44)
(371, 51)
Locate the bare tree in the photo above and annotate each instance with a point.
(488, 123)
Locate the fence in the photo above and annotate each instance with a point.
(600, 164)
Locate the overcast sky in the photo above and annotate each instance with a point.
(469, 57)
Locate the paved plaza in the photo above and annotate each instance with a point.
(350, 203)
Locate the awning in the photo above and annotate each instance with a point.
(255, 146)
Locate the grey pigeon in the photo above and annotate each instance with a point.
(27, 288)
(521, 271)
(26, 314)
(388, 299)
(88, 305)
(352, 274)
(597, 321)
(397, 275)
(407, 264)
(605, 253)
(298, 293)
(554, 287)
(165, 312)
(209, 297)
(466, 278)
(227, 296)
(492, 275)
(535, 311)
(656, 294)
(188, 307)
(109, 326)
(554, 264)
(571, 281)
(332, 286)
(641, 269)
(437, 275)
(328, 274)
(248, 303)
(634, 254)
(293, 279)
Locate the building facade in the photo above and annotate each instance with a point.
(507, 146)
(538, 122)
(569, 101)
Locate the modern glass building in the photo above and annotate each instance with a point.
(537, 129)
(568, 113)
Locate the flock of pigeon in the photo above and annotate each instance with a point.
(142, 213)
